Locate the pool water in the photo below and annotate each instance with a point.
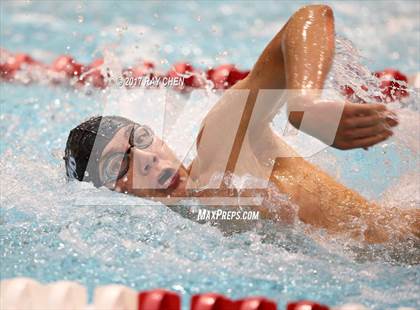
(49, 231)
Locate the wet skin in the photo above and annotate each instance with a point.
(299, 58)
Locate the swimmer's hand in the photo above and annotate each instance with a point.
(364, 125)
(360, 125)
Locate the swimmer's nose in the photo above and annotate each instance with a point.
(144, 161)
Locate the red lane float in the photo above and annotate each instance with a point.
(225, 76)
(347, 91)
(211, 301)
(67, 65)
(11, 63)
(92, 74)
(186, 71)
(159, 299)
(391, 90)
(255, 303)
(146, 68)
(306, 305)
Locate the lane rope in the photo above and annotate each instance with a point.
(23, 68)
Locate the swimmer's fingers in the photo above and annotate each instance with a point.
(356, 109)
(363, 121)
(380, 110)
(363, 125)
(357, 133)
(351, 138)
(388, 118)
(366, 142)
(391, 118)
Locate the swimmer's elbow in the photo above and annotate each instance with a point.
(321, 17)
(316, 10)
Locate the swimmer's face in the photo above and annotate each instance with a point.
(152, 169)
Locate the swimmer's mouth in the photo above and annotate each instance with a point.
(169, 178)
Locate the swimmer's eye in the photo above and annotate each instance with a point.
(116, 166)
(141, 137)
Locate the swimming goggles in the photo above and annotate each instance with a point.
(116, 165)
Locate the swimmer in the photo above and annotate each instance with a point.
(128, 157)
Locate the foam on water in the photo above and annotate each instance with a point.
(49, 234)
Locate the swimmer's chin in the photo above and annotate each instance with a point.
(177, 188)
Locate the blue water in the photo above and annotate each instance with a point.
(48, 235)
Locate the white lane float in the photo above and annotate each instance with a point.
(115, 297)
(65, 295)
(21, 293)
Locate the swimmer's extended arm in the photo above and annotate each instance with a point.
(298, 59)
